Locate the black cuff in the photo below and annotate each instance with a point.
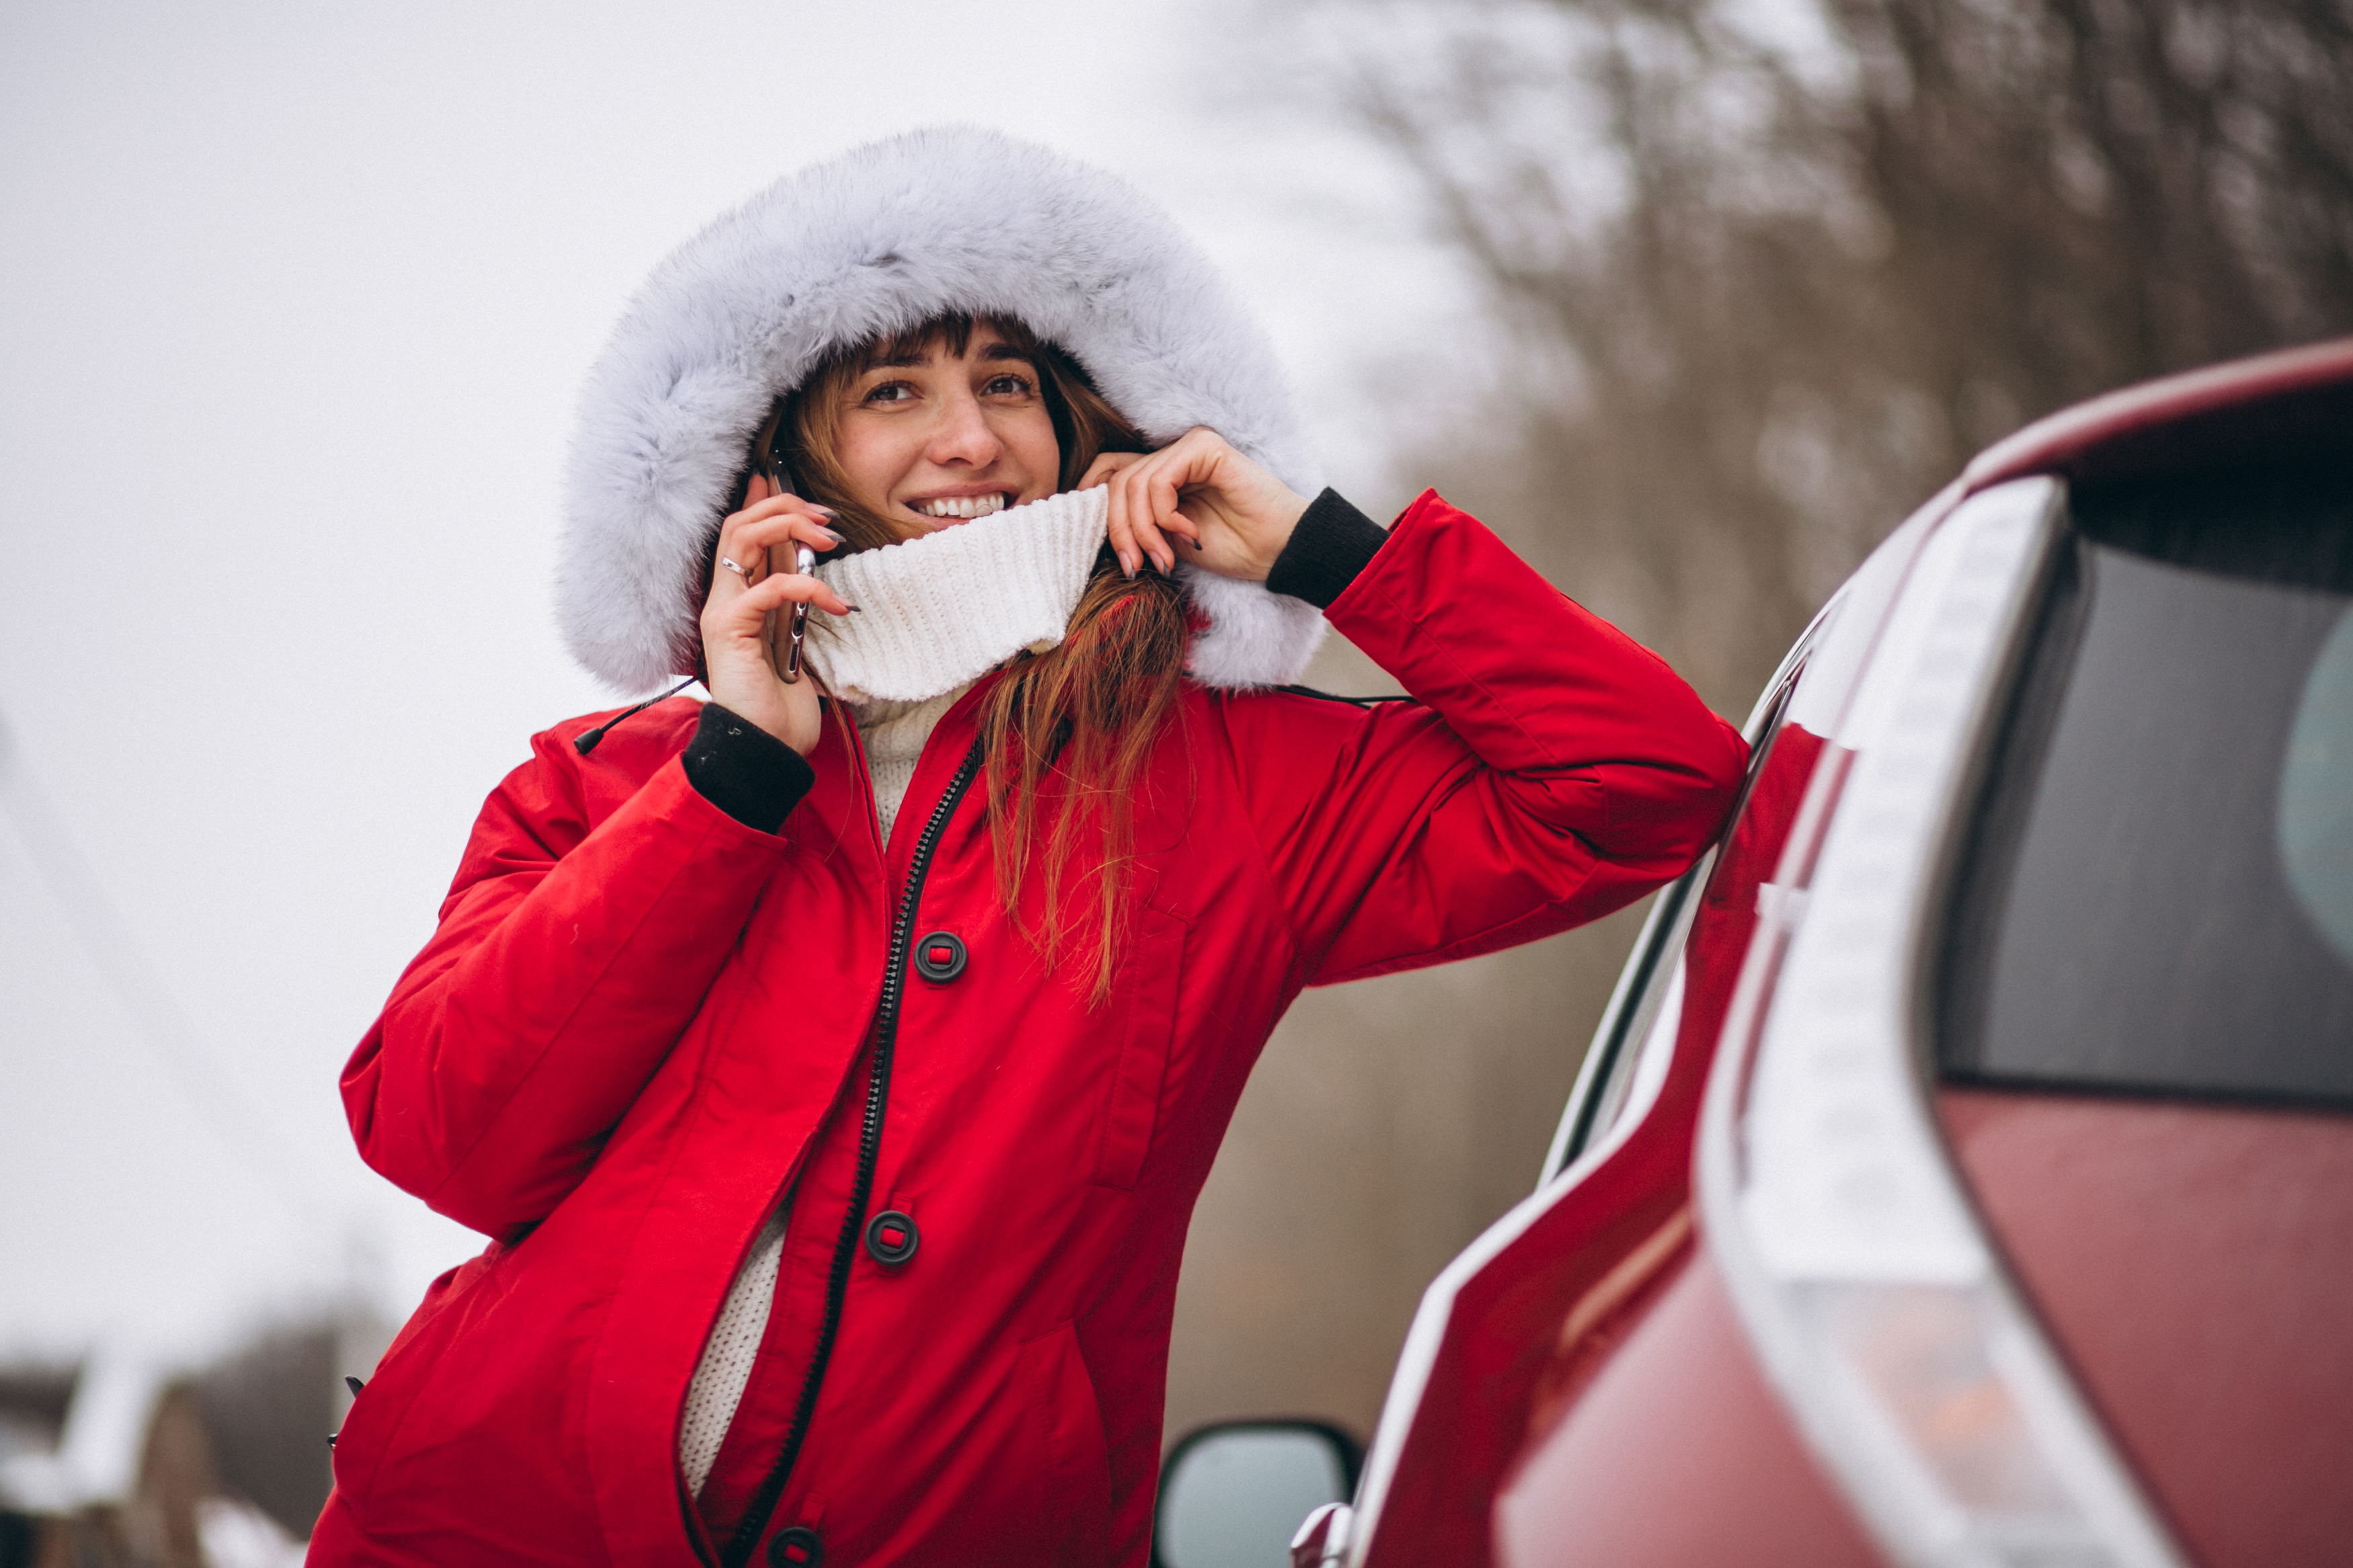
(745, 771)
(1332, 542)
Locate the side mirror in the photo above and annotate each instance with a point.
(1232, 1495)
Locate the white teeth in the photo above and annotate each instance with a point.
(964, 505)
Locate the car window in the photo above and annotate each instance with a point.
(1651, 1016)
(2156, 891)
(1646, 1015)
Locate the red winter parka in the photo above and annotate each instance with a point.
(641, 1023)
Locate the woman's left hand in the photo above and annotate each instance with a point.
(1231, 516)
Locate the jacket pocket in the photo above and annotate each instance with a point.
(1077, 1482)
(395, 1381)
(1143, 1021)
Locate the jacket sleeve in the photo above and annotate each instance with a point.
(1550, 768)
(570, 954)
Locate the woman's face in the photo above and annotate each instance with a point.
(932, 438)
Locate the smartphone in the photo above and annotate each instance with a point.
(804, 562)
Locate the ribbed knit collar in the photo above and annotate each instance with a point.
(937, 612)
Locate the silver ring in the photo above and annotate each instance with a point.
(737, 570)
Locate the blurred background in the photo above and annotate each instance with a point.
(1691, 300)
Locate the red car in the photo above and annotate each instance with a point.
(1962, 1173)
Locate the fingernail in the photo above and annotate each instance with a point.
(837, 538)
(856, 611)
(823, 511)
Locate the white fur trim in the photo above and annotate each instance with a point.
(941, 611)
(875, 241)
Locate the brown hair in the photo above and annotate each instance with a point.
(1071, 726)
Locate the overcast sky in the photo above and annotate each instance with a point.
(294, 304)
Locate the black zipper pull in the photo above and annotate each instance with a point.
(354, 1385)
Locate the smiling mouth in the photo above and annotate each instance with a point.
(961, 506)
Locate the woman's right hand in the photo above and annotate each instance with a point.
(740, 616)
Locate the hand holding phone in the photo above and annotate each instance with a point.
(752, 601)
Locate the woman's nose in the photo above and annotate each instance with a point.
(963, 437)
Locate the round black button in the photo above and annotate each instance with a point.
(891, 1238)
(796, 1548)
(940, 956)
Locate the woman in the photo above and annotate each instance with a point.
(834, 1064)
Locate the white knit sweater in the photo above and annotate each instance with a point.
(894, 734)
(935, 615)
(939, 611)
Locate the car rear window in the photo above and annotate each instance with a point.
(2156, 891)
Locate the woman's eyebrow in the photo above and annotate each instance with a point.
(1007, 352)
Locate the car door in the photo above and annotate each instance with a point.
(1506, 1333)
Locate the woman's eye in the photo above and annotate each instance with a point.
(889, 392)
(1007, 385)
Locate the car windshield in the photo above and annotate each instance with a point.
(2156, 895)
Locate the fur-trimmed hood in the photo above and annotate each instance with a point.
(877, 241)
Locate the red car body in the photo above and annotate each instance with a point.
(2087, 1312)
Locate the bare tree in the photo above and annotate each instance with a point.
(1787, 278)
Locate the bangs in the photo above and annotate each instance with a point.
(951, 331)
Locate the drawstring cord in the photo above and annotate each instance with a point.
(586, 740)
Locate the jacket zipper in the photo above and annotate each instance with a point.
(754, 1521)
